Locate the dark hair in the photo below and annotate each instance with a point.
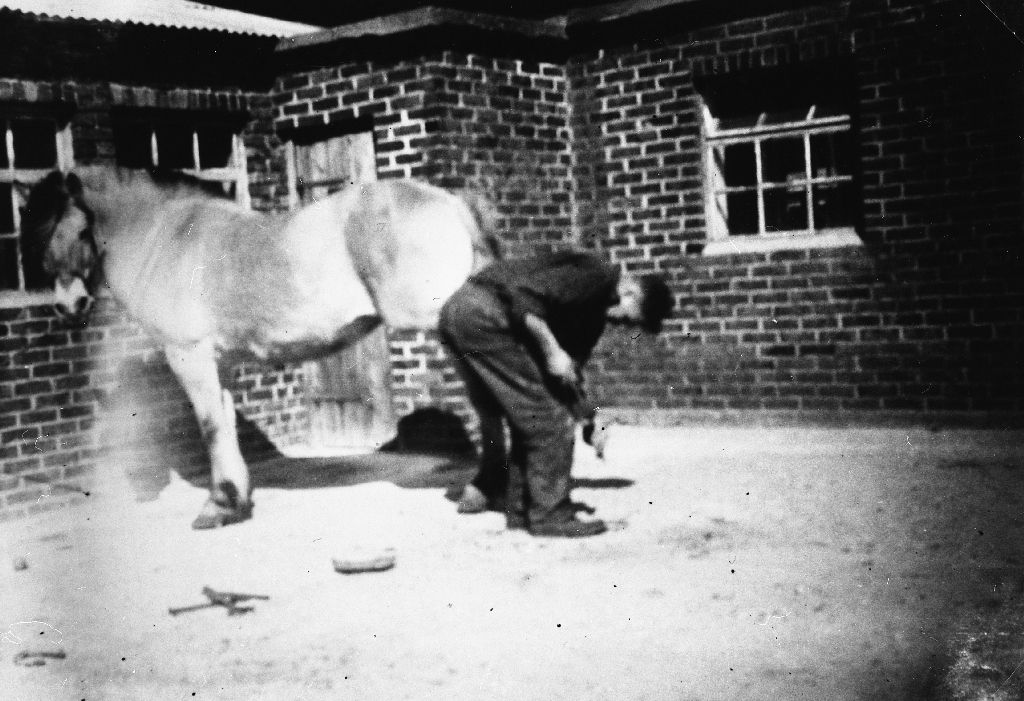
(48, 200)
(166, 176)
(657, 302)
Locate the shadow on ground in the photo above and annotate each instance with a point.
(431, 451)
(426, 454)
(411, 471)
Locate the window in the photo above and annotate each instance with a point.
(33, 146)
(208, 147)
(322, 161)
(780, 170)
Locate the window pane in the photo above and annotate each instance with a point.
(8, 264)
(782, 160)
(833, 205)
(794, 115)
(785, 209)
(174, 146)
(35, 143)
(132, 145)
(215, 147)
(741, 212)
(6, 210)
(822, 111)
(831, 154)
(736, 164)
(744, 122)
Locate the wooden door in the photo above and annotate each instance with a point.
(349, 393)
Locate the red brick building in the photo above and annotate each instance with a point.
(834, 188)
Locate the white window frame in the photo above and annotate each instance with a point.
(720, 241)
(12, 175)
(236, 172)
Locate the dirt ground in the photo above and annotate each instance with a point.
(747, 563)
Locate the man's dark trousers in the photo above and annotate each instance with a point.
(504, 375)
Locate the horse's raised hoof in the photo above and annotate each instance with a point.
(223, 509)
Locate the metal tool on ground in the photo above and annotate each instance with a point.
(228, 600)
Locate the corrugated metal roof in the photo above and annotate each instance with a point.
(427, 17)
(162, 13)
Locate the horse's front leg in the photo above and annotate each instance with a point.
(230, 491)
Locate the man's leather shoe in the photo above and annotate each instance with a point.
(567, 528)
(515, 522)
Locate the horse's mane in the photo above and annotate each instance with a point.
(177, 204)
(158, 183)
(49, 199)
(186, 183)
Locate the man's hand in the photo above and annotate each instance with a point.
(562, 367)
(557, 362)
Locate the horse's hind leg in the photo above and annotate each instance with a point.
(230, 491)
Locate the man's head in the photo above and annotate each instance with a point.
(643, 302)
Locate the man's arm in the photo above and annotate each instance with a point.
(561, 365)
(557, 362)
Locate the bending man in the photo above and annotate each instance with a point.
(520, 331)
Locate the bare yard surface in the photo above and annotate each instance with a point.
(747, 563)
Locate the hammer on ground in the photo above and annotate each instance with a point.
(228, 600)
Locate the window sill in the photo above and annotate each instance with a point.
(10, 299)
(834, 238)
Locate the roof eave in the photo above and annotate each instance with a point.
(423, 18)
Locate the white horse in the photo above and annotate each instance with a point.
(211, 281)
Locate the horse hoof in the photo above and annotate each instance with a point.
(215, 515)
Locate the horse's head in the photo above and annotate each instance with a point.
(58, 244)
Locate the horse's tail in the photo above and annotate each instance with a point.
(487, 245)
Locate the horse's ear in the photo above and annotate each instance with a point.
(73, 185)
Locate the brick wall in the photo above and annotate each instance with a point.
(392, 99)
(604, 151)
(493, 126)
(942, 118)
(496, 126)
(500, 127)
(46, 410)
(789, 330)
(925, 316)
